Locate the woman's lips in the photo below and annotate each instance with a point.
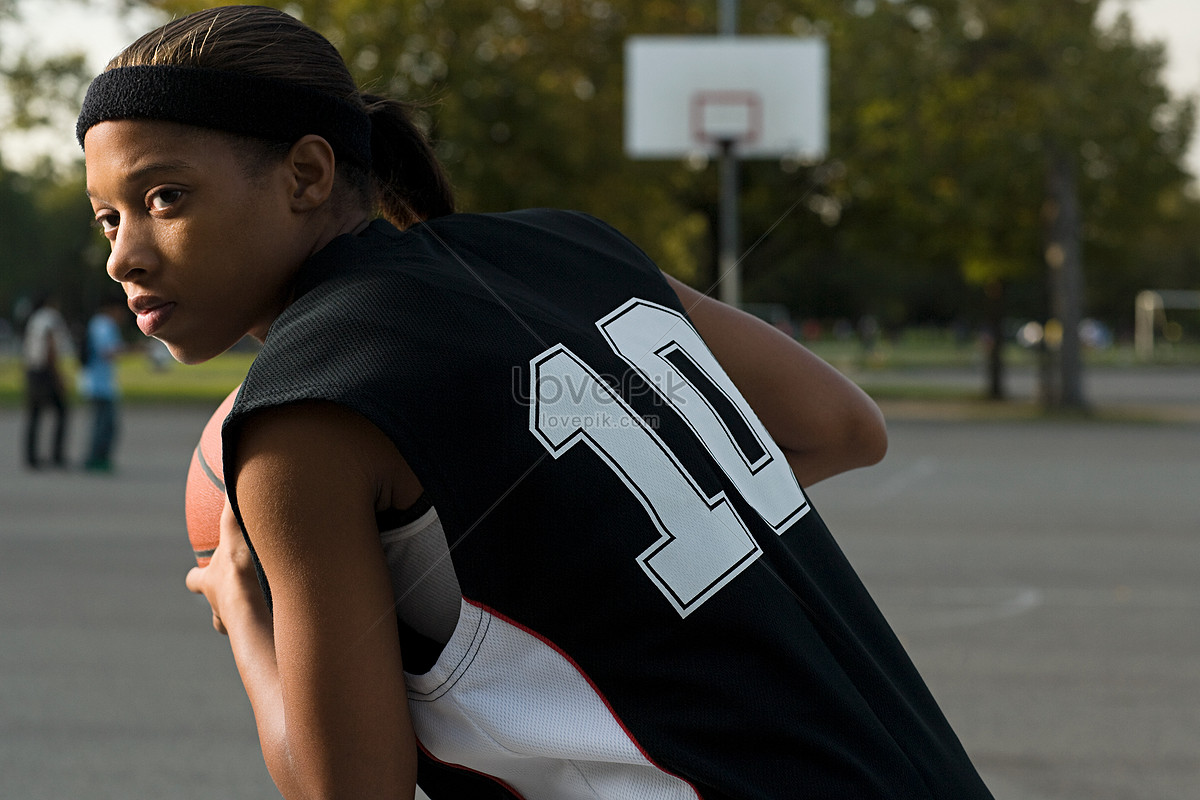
(152, 312)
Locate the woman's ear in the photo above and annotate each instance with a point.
(311, 166)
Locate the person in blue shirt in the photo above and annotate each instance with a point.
(98, 381)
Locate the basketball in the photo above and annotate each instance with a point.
(204, 498)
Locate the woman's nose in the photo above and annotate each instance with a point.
(132, 254)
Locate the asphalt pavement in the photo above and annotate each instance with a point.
(1043, 574)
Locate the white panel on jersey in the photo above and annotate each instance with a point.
(423, 579)
(503, 702)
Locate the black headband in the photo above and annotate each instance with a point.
(226, 101)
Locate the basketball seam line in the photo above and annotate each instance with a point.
(212, 476)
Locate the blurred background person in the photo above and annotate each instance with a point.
(98, 380)
(47, 343)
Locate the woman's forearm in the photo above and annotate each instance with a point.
(248, 625)
(823, 422)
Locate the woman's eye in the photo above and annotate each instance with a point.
(164, 198)
(107, 223)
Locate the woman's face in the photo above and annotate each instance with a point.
(204, 246)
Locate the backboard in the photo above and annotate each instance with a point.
(768, 95)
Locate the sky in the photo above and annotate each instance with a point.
(101, 32)
(1176, 22)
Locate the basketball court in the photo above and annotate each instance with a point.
(1043, 576)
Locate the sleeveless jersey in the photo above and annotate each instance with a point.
(651, 608)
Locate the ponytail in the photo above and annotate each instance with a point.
(411, 182)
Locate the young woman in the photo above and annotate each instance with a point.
(504, 501)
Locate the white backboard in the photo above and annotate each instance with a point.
(767, 94)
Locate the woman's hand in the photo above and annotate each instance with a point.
(229, 580)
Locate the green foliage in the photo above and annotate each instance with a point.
(45, 240)
(944, 114)
(48, 243)
(525, 102)
(37, 90)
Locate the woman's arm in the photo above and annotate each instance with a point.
(822, 420)
(323, 671)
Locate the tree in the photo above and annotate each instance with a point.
(46, 241)
(1102, 137)
(524, 100)
(948, 119)
(1000, 139)
(38, 90)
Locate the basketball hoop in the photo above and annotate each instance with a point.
(726, 116)
(735, 97)
(766, 97)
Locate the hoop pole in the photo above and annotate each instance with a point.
(729, 271)
(727, 17)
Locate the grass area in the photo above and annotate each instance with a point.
(917, 349)
(923, 349)
(142, 382)
(907, 353)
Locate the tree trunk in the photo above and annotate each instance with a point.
(1065, 280)
(995, 350)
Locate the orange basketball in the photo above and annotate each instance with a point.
(204, 499)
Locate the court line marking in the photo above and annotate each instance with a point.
(937, 608)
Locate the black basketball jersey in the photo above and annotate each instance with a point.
(651, 608)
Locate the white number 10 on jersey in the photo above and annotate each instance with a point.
(703, 543)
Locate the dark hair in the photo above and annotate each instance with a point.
(406, 180)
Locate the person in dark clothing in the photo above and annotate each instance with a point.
(46, 344)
